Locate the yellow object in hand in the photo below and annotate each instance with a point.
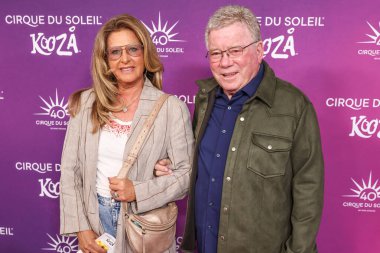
(101, 244)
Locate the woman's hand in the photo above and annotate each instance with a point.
(87, 243)
(162, 168)
(122, 189)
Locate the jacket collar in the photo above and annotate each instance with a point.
(149, 91)
(207, 85)
(148, 97)
(265, 91)
(267, 87)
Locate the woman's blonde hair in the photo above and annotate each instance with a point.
(104, 82)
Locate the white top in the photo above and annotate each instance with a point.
(112, 142)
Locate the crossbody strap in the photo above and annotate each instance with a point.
(132, 156)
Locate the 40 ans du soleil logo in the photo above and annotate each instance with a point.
(375, 40)
(366, 195)
(162, 35)
(63, 244)
(54, 112)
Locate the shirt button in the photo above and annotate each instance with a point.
(233, 149)
(212, 179)
(217, 155)
(225, 209)
(209, 226)
(224, 131)
(222, 237)
(211, 203)
(270, 147)
(228, 178)
(229, 107)
(241, 118)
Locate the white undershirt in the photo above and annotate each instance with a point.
(112, 142)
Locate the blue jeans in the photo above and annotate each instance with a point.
(109, 210)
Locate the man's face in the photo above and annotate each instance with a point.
(233, 73)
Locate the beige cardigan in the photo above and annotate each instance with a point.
(171, 136)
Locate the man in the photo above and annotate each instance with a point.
(257, 181)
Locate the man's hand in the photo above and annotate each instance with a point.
(87, 243)
(163, 167)
(122, 189)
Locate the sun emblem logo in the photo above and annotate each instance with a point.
(161, 35)
(63, 245)
(375, 36)
(54, 109)
(366, 191)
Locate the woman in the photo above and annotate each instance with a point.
(105, 121)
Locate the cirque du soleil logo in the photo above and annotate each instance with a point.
(365, 193)
(374, 40)
(56, 112)
(62, 244)
(163, 36)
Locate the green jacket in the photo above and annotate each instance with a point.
(272, 195)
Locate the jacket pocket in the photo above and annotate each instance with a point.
(268, 155)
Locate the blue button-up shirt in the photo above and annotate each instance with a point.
(213, 152)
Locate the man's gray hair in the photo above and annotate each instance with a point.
(230, 14)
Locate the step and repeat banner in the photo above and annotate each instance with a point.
(329, 49)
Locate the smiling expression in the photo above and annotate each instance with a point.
(232, 74)
(128, 70)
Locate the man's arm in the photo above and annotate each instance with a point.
(163, 168)
(307, 186)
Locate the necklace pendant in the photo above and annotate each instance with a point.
(125, 109)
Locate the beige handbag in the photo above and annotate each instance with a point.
(152, 231)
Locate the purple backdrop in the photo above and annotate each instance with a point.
(329, 49)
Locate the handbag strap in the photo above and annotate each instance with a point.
(132, 156)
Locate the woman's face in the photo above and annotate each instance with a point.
(125, 58)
